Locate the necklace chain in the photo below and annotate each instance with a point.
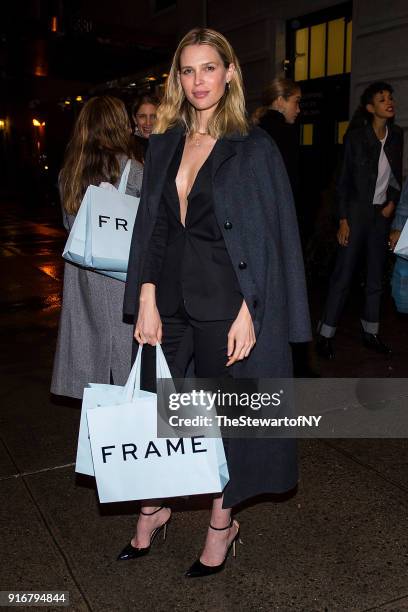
(197, 140)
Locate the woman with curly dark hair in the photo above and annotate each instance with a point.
(368, 191)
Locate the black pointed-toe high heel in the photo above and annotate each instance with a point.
(199, 569)
(130, 552)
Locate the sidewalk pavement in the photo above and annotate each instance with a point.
(337, 544)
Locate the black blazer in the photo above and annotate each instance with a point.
(255, 211)
(191, 263)
(358, 177)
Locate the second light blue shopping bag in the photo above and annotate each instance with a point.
(101, 234)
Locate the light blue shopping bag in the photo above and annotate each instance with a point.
(94, 395)
(131, 462)
(102, 231)
(399, 284)
(401, 248)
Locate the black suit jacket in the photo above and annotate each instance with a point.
(191, 263)
(358, 177)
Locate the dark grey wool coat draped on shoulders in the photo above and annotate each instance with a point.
(255, 212)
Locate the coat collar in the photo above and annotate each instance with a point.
(372, 136)
(163, 147)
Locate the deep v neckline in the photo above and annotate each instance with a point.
(193, 184)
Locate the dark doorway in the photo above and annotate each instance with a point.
(319, 53)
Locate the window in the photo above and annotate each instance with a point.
(306, 134)
(341, 130)
(302, 54)
(323, 49)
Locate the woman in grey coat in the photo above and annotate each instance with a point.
(216, 228)
(94, 342)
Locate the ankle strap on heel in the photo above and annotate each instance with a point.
(151, 513)
(223, 528)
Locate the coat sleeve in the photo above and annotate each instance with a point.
(343, 181)
(137, 246)
(291, 250)
(394, 187)
(401, 213)
(153, 261)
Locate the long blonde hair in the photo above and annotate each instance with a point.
(230, 114)
(101, 133)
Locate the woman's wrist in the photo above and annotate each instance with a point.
(148, 293)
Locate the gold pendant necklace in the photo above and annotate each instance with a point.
(197, 140)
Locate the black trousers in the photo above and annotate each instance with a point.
(368, 236)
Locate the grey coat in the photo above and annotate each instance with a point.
(255, 212)
(93, 341)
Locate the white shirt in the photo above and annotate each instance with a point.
(383, 176)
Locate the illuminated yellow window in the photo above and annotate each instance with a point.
(341, 130)
(318, 51)
(335, 47)
(307, 134)
(302, 54)
(348, 45)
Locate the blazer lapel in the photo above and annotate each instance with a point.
(163, 147)
(224, 149)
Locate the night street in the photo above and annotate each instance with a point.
(339, 544)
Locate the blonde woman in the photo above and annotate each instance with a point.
(277, 117)
(93, 340)
(215, 270)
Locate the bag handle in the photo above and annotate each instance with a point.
(124, 178)
(132, 387)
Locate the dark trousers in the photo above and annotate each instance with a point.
(370, 236)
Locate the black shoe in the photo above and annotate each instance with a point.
(324, 347)
(199, 570)
(130, 552)
(373, 342)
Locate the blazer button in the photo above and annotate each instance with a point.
(228, 225)
(242, 265)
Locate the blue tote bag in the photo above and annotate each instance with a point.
(102, 231)
(401, 248)
(399, 284)
(130, 462)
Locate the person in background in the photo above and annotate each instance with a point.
(94, 343)
(400, 217)
(215, 268)
(399, 280)
(144, 110)
(277, 117)
(368, 192)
